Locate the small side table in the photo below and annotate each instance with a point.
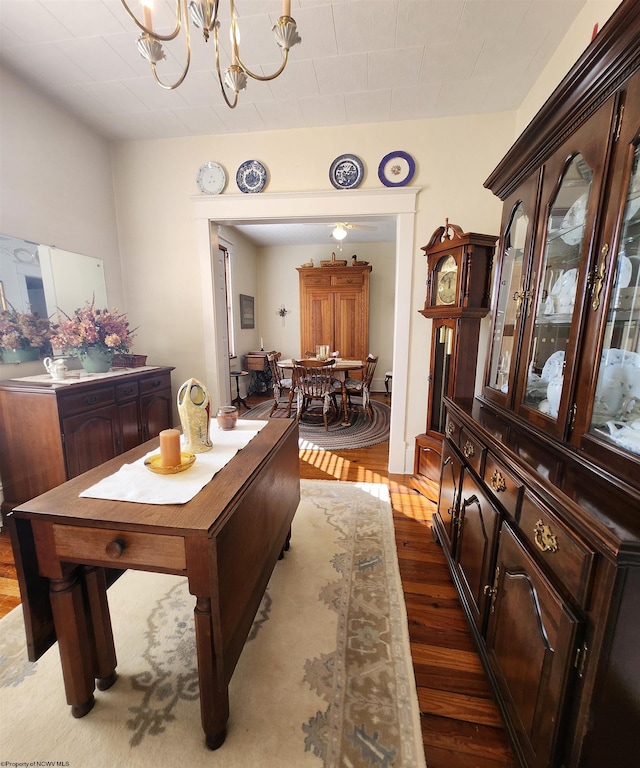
(237, 400)
(387, 378)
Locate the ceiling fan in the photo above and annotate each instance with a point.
(339, 229)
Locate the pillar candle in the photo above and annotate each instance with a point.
(170, 448)
(146, 13)
(286, 7)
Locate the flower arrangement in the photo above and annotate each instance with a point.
(91, 328)
(23, 330)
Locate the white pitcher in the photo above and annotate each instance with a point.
(57, 369)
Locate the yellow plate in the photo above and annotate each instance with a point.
(154, 463)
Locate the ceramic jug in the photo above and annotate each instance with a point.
(57, 369)
(194, 409)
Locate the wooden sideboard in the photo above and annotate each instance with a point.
(51, 432)
(334, 309)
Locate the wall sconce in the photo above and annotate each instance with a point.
(283, 312)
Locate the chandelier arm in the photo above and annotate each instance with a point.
(230, 104)
(266, 78)
(155, 35)
(180, 80)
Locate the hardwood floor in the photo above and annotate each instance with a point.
(461, 727)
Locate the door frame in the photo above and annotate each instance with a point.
(398, 203)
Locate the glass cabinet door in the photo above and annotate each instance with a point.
(615, 415)
(509, 288)
(556, 296)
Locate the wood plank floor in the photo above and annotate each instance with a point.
(461, 727)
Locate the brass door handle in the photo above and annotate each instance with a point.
(597, 278)
(468, 450)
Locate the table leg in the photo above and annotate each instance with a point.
(74, 641)
(214, 691)
(104, 662)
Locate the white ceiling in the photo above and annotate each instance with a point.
(360, 61)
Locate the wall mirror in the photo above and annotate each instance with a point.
(43, 279)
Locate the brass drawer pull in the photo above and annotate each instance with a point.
(545, 539)
(115, 548)
(498, 482)
(468, 450)
(451, 429)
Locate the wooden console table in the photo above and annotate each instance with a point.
(226, 541)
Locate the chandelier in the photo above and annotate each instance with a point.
(204, 15)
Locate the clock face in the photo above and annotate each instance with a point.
(446, 281)
(211, 178)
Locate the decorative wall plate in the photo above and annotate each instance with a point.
(251, 176)
(396, 169)
(211, 178)
(346, 172)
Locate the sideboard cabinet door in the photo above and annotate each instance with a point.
(475, 547)
(91, 439)
(531, 645)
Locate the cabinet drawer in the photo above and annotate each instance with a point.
(87, 401)
(153, 383)
(122, 549)
(472, 450)
(348, 279)
(453, 429)
(505, 486)
(559, 549)
(126, 391)
(322, 280)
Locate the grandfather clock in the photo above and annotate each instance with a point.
(458, 275)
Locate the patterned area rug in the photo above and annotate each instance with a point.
(325, 679)
(361, 433)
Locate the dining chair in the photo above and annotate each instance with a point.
(362, 387)
(313, 380)
(282, 386)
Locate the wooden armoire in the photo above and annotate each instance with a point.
(334, 309)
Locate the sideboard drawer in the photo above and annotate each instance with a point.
(127, 390)
(559, 549)
(322, 280)
(505, 486)
(472, 450)
(453, 429)
(154, 383)
(119, 549)
(86, 401)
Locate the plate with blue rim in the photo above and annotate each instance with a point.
(346, 172)
(251, 176)
(396, 169)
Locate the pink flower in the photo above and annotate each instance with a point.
(91, 327)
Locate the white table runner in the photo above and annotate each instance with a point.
(134, 482)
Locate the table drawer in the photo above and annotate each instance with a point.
(154, 383)
(559, 549)
(472, 450)
(127, 390)
(506, 487)
(88, 400)
(122, 549)
(322, 280)
(348, 279)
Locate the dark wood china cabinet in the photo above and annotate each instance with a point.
(539, 508)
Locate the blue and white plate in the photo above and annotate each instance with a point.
(396, 169)
(346, 172)
(251, 176)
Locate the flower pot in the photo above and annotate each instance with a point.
(96, 359)
(20, 355)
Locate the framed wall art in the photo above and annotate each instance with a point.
(247, 317)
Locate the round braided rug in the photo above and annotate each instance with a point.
(361, 433)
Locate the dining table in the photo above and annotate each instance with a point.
(341, 369)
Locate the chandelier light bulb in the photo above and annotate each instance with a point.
(339, 233)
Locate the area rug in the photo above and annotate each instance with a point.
(325, 679)
(361, 433)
